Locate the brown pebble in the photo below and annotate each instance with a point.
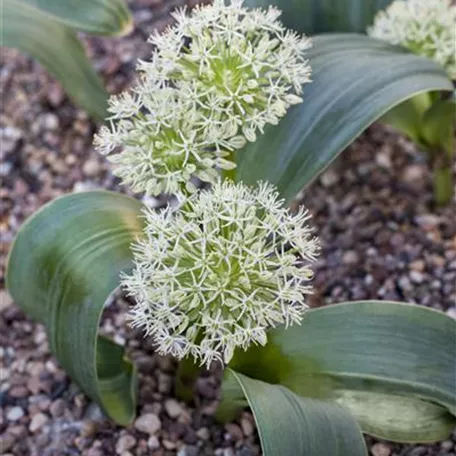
(5, 300)
(6, 441)
(18, 391)
(350, 257)
(247, 426)
(89, 428)
(34, 385)
(91, 168)
(417, 265)
(57, 408)
(235, 431)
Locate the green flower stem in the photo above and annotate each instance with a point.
(443, 176)
(187, 373)
(230, 174)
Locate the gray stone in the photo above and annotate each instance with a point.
(173, 408)
(148, 423)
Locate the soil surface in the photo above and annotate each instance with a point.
(381, 235)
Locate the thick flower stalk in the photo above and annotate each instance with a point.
(222, 269)
(217, 77)
(426, 27)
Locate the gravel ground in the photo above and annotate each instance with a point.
(382, 238)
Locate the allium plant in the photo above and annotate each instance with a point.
(220, 271)
(217, 77)
(224, 276)
(426, 27)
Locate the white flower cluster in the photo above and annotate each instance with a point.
(219, 271)
(218, 76)
(426, 27)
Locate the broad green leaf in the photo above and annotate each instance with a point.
(63, 266)
(348, 351)
(101, 17)
(57, 48)
(401, 418)
(356, 80)
(292, 425)
(320, 16)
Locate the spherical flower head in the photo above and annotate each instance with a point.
(162, 145)
(217, 77)
(219, 271)
(426, 27)
(239, 66)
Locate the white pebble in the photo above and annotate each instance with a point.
(380, 449)
(125, 443)
(173, 408)
(38, 421)
(148, 423)
(16, 413)
(153, 443)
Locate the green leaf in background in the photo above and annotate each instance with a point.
(407, 117)
(101, 17)
(320, 16)
(356, 80)
(63, 266)
(438, 127)
(57, 48)
(292, 425)
(356, 353)
(438, 124)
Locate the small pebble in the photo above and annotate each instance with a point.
(91, 167)
(417, 265)
(188, 450)
(380, 449)
(125, 443)
(57, 408)
(6, 441)
(427, 221)
(329, 178)
(247, 426)
(203, 433)
(169, 445)
(38, 421)
(416, 276)
(413, 174)
(50, 121)
(447, 445)
(15, 414)
(5, 300)
(148, 423)
(18, 392)
(235, 431)
(173, 408)
(153, 443)
(350, 257)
